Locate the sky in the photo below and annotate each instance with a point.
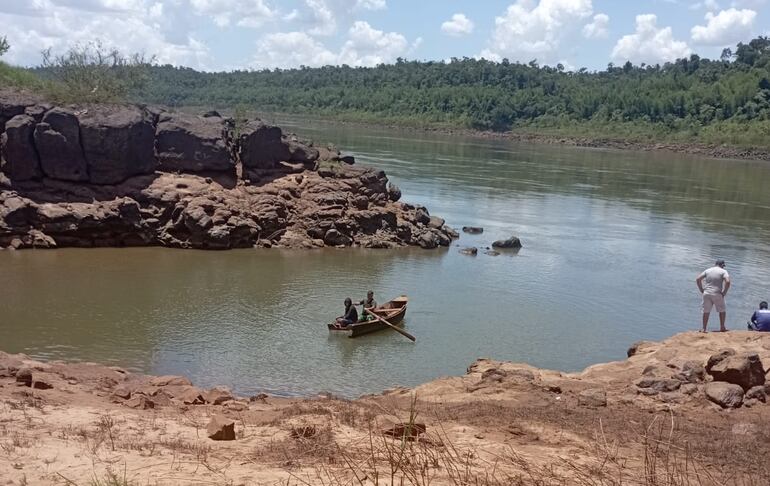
(224, 35)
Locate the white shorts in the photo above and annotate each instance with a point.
(713, 300)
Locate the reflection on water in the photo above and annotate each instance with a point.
(613, 242)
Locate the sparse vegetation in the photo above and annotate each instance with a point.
(93, 73)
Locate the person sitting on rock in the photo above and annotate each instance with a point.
(351, 314)
(760, 320)
(368, 303)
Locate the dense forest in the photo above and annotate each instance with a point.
(726, 100)
(690, 100)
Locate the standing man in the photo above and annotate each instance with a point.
(714, 283)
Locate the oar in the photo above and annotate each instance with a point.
(395, 328)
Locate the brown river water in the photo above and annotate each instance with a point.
(612, 243)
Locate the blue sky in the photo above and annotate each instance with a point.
(253, 34)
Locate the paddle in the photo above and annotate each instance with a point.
(395, 328)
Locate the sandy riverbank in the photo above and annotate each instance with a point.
(645, 420)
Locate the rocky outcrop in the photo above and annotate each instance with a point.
(188, 143)
(745, 370)
(117, 143)
(126, 175)
(57, 140)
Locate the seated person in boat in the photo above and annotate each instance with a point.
(351, 314)
(760, 320)
(368, 303)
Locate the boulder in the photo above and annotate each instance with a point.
(427, 240)
(744, 370)
(193, 396)
(719, 357)
(140, 402)
(470, 251)
(17, 144)
(170, 380)
(221, 428)
(262, 146)
(122, 391)
(473, 230)
(638, 347)
(658, 384)
(57, 139)
(726, 395)
(188, 143)
(218, 395)
(593, 397)
(302, 153)
(692, 372)
(118, 142)
(512, 243)
(394, 193)
(24, 376)
(335, 238)
(436, 223)
(348, 159)
(41, 384)
(757, 393)
(451, 232)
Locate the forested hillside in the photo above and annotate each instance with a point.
(726, 100)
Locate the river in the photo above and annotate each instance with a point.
(612, 244)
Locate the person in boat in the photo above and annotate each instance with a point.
(351, 314)
(760, 320)
(368, 303)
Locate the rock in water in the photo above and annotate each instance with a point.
(221, 428)
(511, 243)
(473, 230)
(726, 395)
(744, 370)
(470, 251)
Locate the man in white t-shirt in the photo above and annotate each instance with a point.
(714, 283)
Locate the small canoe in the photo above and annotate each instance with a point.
(393, 312)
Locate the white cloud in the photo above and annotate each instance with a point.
(246, 13)
(371, 4)
(710, 5)
(292, 49)
(598, 28)
(322, 17)
(650, 44)
(530, 29)
(365, 46)
(368, 47)
(458, 26)
(726, 27)
(130, 26)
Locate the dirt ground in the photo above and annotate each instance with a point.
(500, 424)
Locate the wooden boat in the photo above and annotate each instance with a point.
(392, 311)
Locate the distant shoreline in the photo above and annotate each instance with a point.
(697, 149)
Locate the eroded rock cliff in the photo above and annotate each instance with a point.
(130, 175)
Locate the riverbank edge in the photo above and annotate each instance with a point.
(72, 422)
(714, 151)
